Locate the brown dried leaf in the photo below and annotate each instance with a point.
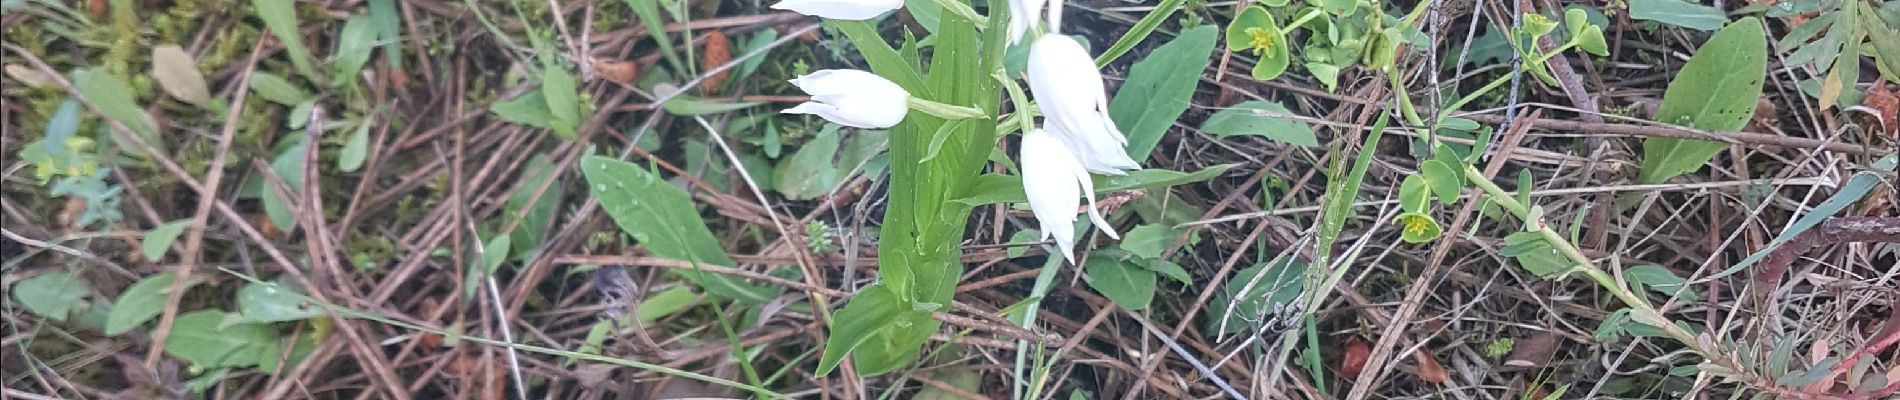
(1353, 357)
(1885, 107)
(1533, 351)
(718, 52)
(617, 71)
(1429, 370)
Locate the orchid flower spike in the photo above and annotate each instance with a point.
(1074, 104)
(851, 10)
(852, 98)
(1053, 180)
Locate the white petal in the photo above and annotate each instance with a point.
(1055, 16)
(1052, 179)
(853, 10)
(1022, 17)
(852, 98)
(1070, 92)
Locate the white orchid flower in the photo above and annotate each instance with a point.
(852, 98)
(851, 10)
(1053, 180)
(1074, 104)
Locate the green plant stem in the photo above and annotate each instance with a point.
(1020, 102)
(1304, 18)
(945, 111)
(1579, 262)
(1495, 83)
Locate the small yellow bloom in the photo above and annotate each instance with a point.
(1261, 41)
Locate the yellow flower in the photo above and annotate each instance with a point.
(1260, 41)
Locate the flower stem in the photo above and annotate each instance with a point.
(1579, 262)
(945, 111)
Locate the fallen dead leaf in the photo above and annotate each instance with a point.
(1353, 356)
(718, 52)
(1885, 107)
(1533, 351)
(620, 72)
(1429, 370)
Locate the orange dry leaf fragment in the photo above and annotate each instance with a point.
(620, 72)
(1354, 360)
(718, 52)
(1429, 370)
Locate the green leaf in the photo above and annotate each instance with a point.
(1168, 269)
(1160, 87)
(51, 295)
(1591, 40)
(1679, 13)
(1658, 279)
(1139, 31)
(289, 166)
(995, 188)
(494, 253)
(1535, 255)
(139, 303)
(116, 101)
(203, 339)
(533, 227)
(872, 310)
(272, 356)
(1254, 295)
(648, 11)
(821, 164)
(564, 102)
(1415, 195)
(178, 74)
(1336, 7)
(1884, 36)
(1327, 74)
(1149, 240)
(160, 238)
(356, 149)
(663, 219)
(280, 16)
(264, 302)
(388, 30)
(664, 303)
(1715, 91)
(1857, 187)
(529, 109)
(1131, 287)
(1342, 188)
(277, 89)
(1259, 118)
(354, 45)
(1021, 241)
(1445, 181)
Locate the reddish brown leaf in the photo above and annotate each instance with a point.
(1885, 107)
(718, 52)
(620, 72)
(1429, 370)
(264, 226)
(1352, 361)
